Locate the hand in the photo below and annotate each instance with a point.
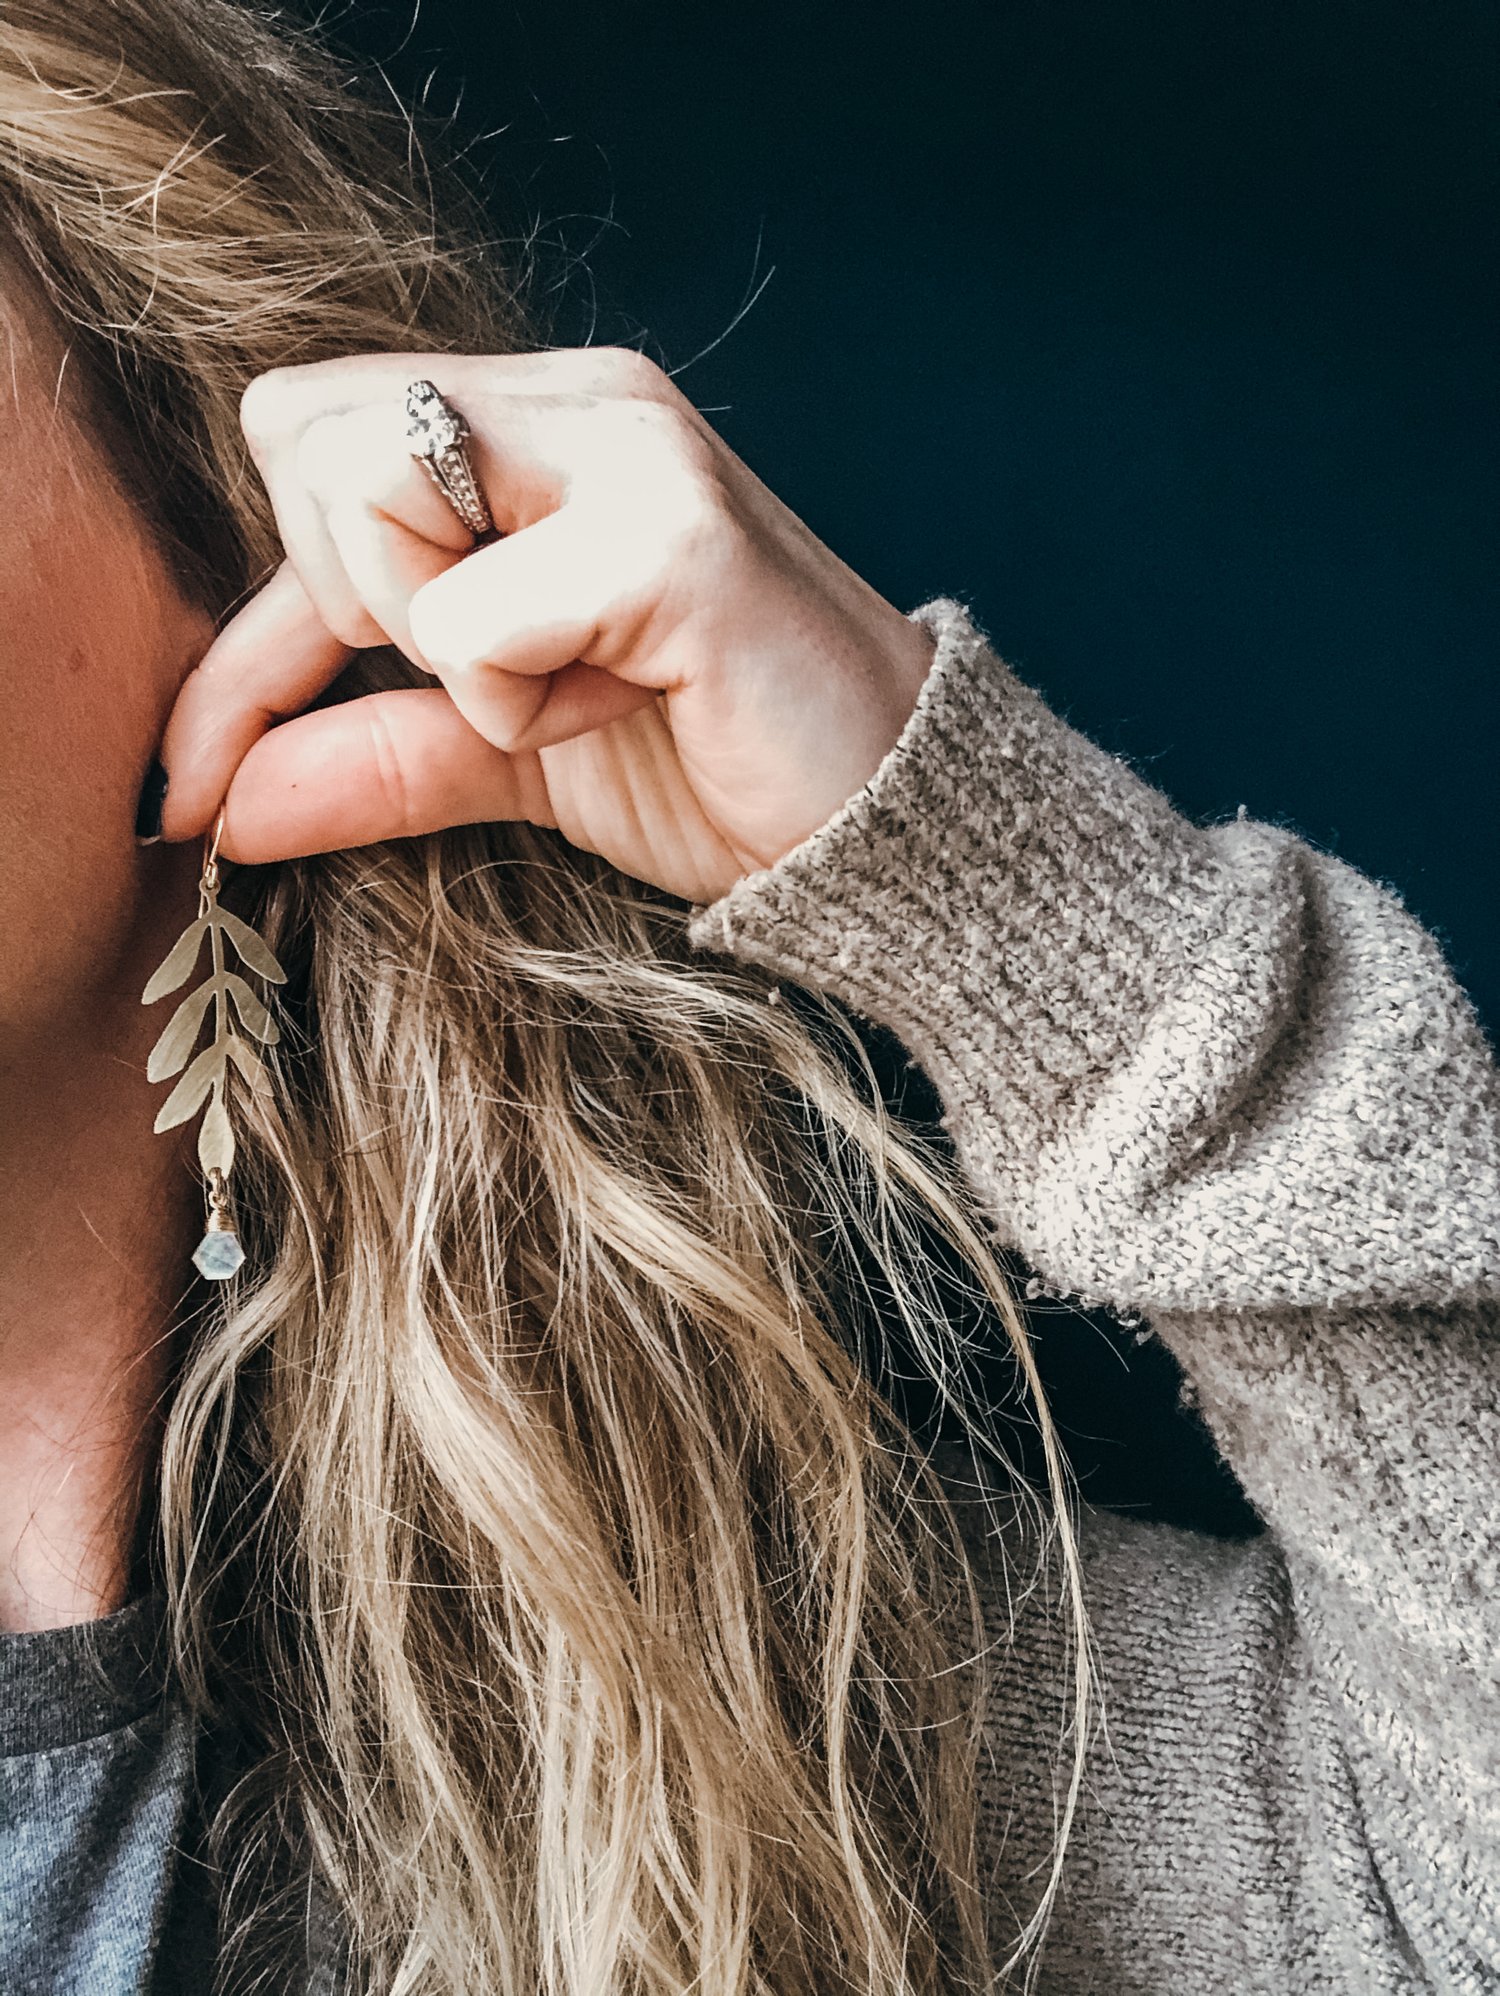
(655, 655)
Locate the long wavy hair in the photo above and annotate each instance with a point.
(586, 1617)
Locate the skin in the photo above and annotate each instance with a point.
(96, 1214)
(652, 654)
(655, 654)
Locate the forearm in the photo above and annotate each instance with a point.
(1216, 1077)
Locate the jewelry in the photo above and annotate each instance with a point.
(436, 432)
(219, 1253)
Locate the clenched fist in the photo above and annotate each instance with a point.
(652, 654)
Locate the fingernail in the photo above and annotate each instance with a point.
(148, 810)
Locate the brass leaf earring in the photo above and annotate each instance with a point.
(219, 1253)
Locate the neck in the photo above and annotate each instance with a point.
(98, 1218)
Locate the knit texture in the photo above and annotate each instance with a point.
(1217, 1078)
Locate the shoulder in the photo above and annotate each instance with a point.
(1204, 1731)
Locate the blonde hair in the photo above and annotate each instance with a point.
(586, 1618)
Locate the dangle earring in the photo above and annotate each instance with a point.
(219, 1253)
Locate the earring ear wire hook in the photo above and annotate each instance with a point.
(209, 880)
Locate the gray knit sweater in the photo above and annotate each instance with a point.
(1215, 1077)
(1210, 1076)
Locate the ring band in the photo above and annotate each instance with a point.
(436, 433)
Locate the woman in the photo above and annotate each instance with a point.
(511, 1579)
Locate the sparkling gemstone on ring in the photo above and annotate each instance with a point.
(433, 425)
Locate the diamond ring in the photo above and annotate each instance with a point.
(436, 433)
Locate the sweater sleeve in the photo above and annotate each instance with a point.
(1216, 1077)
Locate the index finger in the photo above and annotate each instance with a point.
(271, 658)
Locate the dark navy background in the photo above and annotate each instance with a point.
(1157, 332)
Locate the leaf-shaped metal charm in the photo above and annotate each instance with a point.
(207, 1073)
(189, 1093)
(216, 1138)
(255, 1016)
(176, 1042)
(249, 1063)
(177, 964)
(254, 950)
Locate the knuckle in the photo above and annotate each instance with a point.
(353, 625)
(686, 484)
(391, 774)
(656, 467)
(431, 625)
(670, 439)
(626, 371)
(698, 529)
(320, 453)
(264, 403)
(510, 710)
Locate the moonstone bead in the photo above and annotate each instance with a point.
(218, 1255)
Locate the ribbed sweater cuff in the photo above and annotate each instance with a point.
(1003, 894)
